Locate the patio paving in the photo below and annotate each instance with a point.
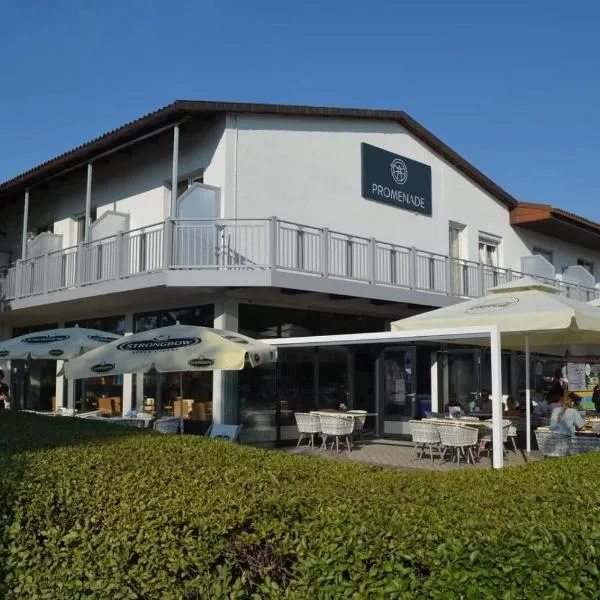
(399, 454)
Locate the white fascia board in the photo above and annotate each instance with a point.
(431, 335)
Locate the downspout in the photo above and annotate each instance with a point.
(235, 170)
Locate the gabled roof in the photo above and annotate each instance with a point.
(189, 108)
(558, 223)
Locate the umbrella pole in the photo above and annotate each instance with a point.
(181, 402)
(527, 394)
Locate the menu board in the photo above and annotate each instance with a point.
(576, 376)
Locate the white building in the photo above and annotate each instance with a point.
(285, 221)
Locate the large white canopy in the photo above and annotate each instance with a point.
(174, 348)
(55, 344)
(520, 308)
(529, 315)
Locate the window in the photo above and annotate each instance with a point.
(186, 181)
(547, 254)
(586, 264)
(81, 224)
(488, 252)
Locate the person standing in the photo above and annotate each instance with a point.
(596, 397)
(4, 393)
(557, 387)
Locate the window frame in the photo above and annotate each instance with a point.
(79, 219)
(492, 242)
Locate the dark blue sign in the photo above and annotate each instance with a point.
(395, 179)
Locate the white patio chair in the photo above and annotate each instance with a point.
(512, 435)
(424, 434)
(338, 427)
(360, 417)
(552, 444)
(458, 438)
(486, 438)
(167, 425)
(307, 425)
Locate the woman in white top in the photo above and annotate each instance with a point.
(566, 420)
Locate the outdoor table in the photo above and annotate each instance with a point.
(341, 413)
(461, 422)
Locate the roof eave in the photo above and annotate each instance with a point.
(181, 108)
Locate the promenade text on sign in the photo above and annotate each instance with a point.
(395, 179)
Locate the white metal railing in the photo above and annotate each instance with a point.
(259, 244)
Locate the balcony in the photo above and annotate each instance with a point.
(255, 252)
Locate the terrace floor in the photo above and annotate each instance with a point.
(400, 455)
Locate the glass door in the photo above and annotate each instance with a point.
(460, 381)
(397, 401)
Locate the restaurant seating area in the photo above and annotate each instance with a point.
(552, 444)
(335, 426)
(464, 438)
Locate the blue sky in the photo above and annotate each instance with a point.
(513, 86)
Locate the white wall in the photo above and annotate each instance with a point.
(308, 170)
(132, 181)
(303, 169)
(564, 254)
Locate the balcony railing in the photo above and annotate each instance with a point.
(258, 244)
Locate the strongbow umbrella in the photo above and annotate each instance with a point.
(55, 344)
(173, 348)
(528, 313)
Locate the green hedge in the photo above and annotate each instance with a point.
(89, 510)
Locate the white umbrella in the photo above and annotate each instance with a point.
(170, 349)
(55, 344)
(528, 314)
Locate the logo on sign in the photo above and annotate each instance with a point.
(158, 344)
(385, 179)
(56, 353)
(102, 340)
(492, 306)
(399, 171)
(46, 339)
(201, 362)
(102, 367)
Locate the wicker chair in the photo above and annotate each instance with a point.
(552, 444)
(486, 438)
(512, 435)
(459, 438)
(338, 427)
(360, 416)
(307, 425)
(581, 444)
(424, 434)
(167, 425)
